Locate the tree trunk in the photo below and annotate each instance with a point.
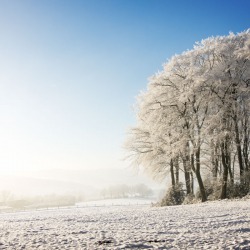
(224, 153)
(187, 175)
(198, 176)
(238, 146)
(231, 176)
(172, 173)
(192, 183)
(245, 141)
(245, 153)
(176, 165)
(214, 159)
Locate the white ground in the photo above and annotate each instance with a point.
(112, 202)
(212, 225)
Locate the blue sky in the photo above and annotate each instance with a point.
(70, 71)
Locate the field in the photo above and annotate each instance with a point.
(211, 225)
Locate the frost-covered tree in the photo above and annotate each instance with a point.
(196, 109)
(227, 80)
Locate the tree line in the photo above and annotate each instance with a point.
(125, 191)
(193, 120)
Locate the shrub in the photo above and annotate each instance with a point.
(239, 189)
(212, 188)
(190, 199)
(174, 196)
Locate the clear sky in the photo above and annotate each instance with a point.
(70, 72)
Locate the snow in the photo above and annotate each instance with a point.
(118, 202)
(210, 225)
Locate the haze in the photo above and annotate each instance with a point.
(69, 74)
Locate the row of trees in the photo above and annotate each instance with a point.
(125, 191)
(8, 199)
(194, 118)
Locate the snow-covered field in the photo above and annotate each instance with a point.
(212, 225)
(118, 202)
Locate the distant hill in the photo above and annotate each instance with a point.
(39, 186)
(98, 178)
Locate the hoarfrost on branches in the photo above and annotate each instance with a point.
(194, 118)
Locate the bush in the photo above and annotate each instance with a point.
(174, 196)
(190, 199)
(239, 189)
(212, 188)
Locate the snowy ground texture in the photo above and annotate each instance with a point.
(212, 225)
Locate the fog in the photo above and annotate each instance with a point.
(57, 187)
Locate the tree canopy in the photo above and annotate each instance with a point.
(194, 118)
